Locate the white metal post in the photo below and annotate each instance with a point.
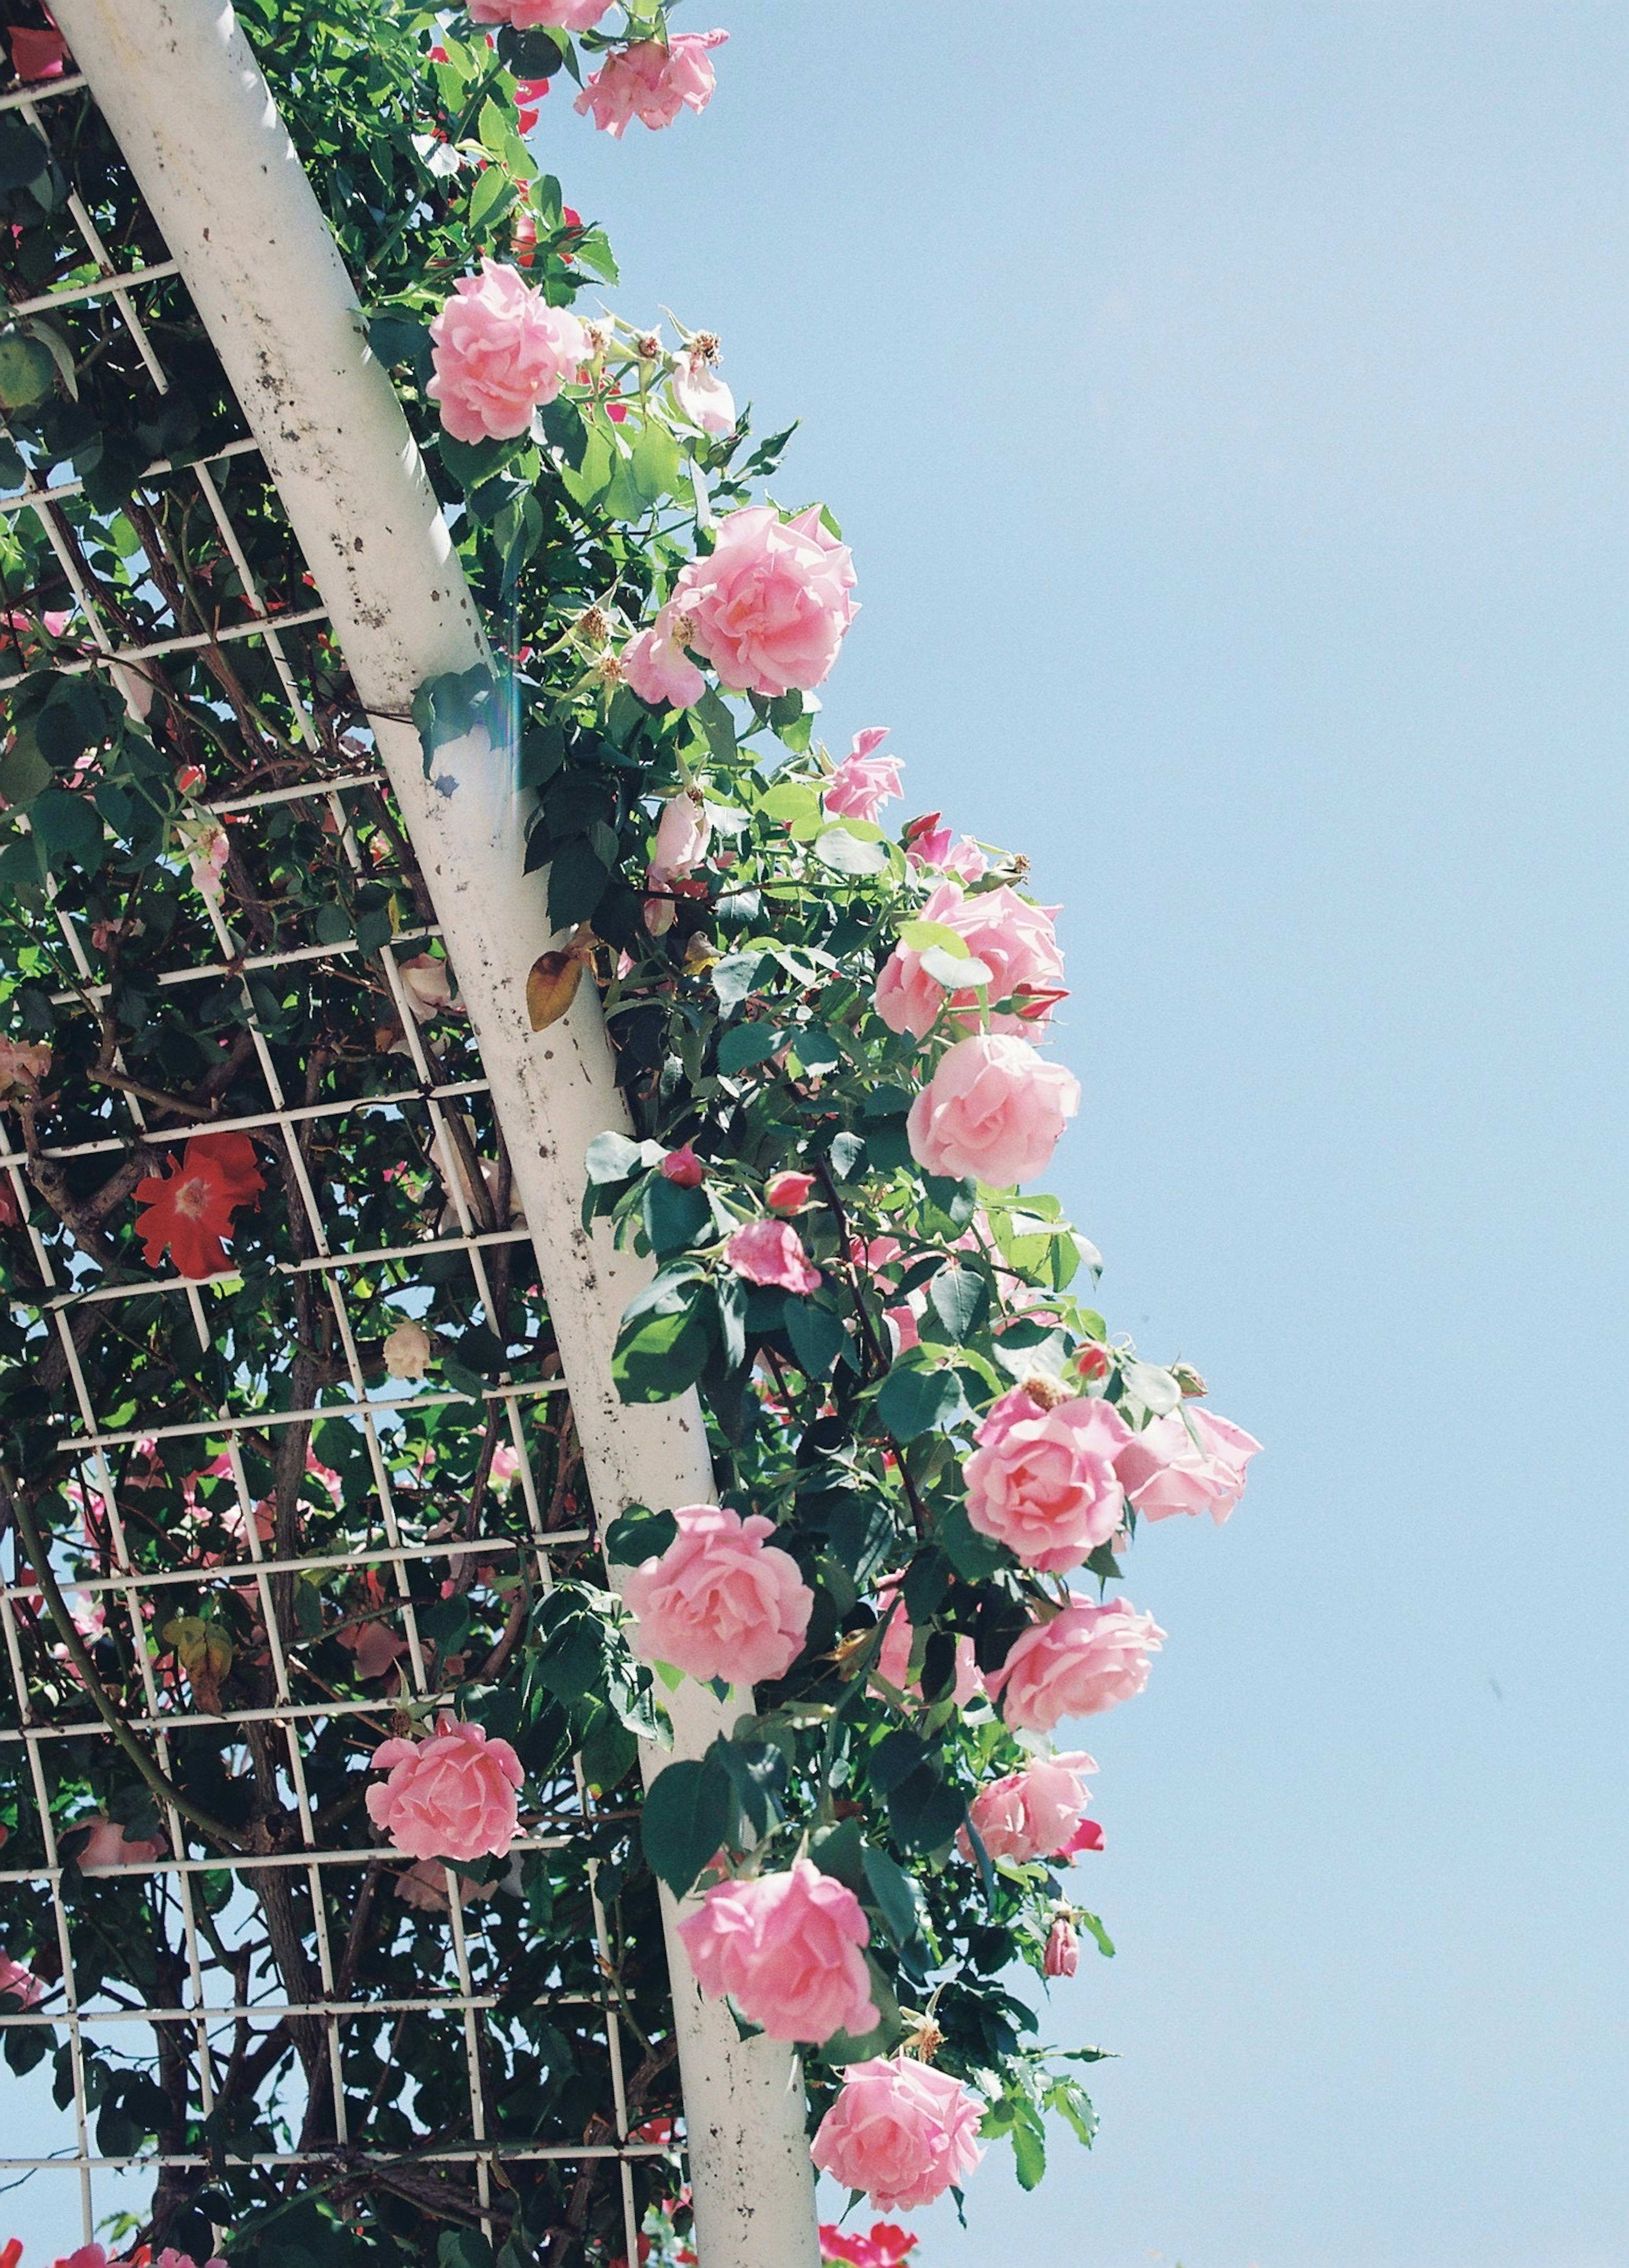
(181, 91)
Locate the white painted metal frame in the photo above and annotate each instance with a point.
(180, 91)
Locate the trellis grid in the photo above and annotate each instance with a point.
(386, 1524)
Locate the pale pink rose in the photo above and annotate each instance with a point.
(787, 1948)
(505, 1466)
(657, 666)
(428, 985)
(407, 1351)
(651, 82)
(1088, 1659)
(893, 1664)
(683, 1168)
(1015, 941)
(863, 782)
(683, 833)
(770, 608)
(993, 1110)
(1042, 1480)
(23, 1065)
(721, 1601)
(1166, 1470)
(88, 2255)
(108, 1850)
(451, 1795)
(967, 862)
(702, 395)
(171, 2258)
(424, 1887)
(900, 2130)
(499, 351)
(1033, 1814)
(1062, 1948)
(20, 1982)
(787, 1191)
(768, 1252)
(525, 15)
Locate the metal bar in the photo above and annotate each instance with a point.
(193, 642)
(24, 497)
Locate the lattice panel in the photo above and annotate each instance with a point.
(232, 1455)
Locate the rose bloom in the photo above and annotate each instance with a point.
(526, 15)
(23, 1065)
(893, 1663)
(900, 2130)
(683, 833)
(1042, 1481)
(107, 1849)
(887, 2246)
(20, 1982)
(1062, 1948)
(424, 1888)
(770, 607)
(1016, 942)
(1189, 1460)
(651, 82)
(720, 1601)
(499, 351)
(702, 395)
(407, 1352)
(1086, 1660)
(171, 2258)
(656, 665)
(451, 1795)
(1032, 1814)
(864, 781)
(683, 1168)
(787, 1191)
(768, 1252)
(787, 1948)
(993, 1110)
(189, 1209)
(428, 985)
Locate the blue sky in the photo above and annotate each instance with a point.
(1225, 404)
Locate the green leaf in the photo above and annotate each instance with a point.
(491, 197)
(924, 1812)
(1029, 2147)
(613, 1158)
(638, 1535)
(745, 1044)
(395, 336)
(463, 2248)
(733, 978)
(24, 154)
(576, 881)
(924, 936)
(674, 1217)
(332, 926)
(847, 2047)
(757, 1771)
(712, 714)
(568, 1657)
(960, 1298)
(24, 771)
(656, 464)
(817, 1336)
(839, 1852)
(915, 1400)
(688, 1812)
(975, 1557)
(662, 1347)
(897, 1898)
(69, 826)
(843, 850)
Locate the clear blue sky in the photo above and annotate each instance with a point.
(1225, 403)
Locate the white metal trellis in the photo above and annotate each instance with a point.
(179, 89)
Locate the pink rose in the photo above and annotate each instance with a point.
(451, 1795)
(901, 2131)
(863, 782)
(683, 1168)
(376, 1647)
(23, 1065)
(893, 1663)
(994, 1109)
(787, 1192)
(1042, 1479)
(171, 2258)
(651, 82)
(107, 1849)
(720, 1601)
(500, 349)
(525, 15)
(1084, 1660)
(428, 984)
(22, 1983)
(1062, 1948)
(657, 666)
(1189, 1460)
(683, 833)
(506, 1466)
(1033, 1814)
(770, 608)
(702, 397)
(788, 1950)
(1015, 941)
(966, 861)
(768, 1252)
(424, 1887)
